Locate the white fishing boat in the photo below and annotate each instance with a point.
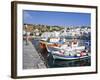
(59, 48)
(66, 52)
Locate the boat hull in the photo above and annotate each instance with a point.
(69, 57)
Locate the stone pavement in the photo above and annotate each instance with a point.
(31, 58)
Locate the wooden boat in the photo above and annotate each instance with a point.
(64, 51)
(68, 54)
(44, 42)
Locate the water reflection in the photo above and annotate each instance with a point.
(73, 63)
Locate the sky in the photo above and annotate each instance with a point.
(56, 18)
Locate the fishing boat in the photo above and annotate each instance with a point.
(68, 53)
(64, 50)
(61, 48)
